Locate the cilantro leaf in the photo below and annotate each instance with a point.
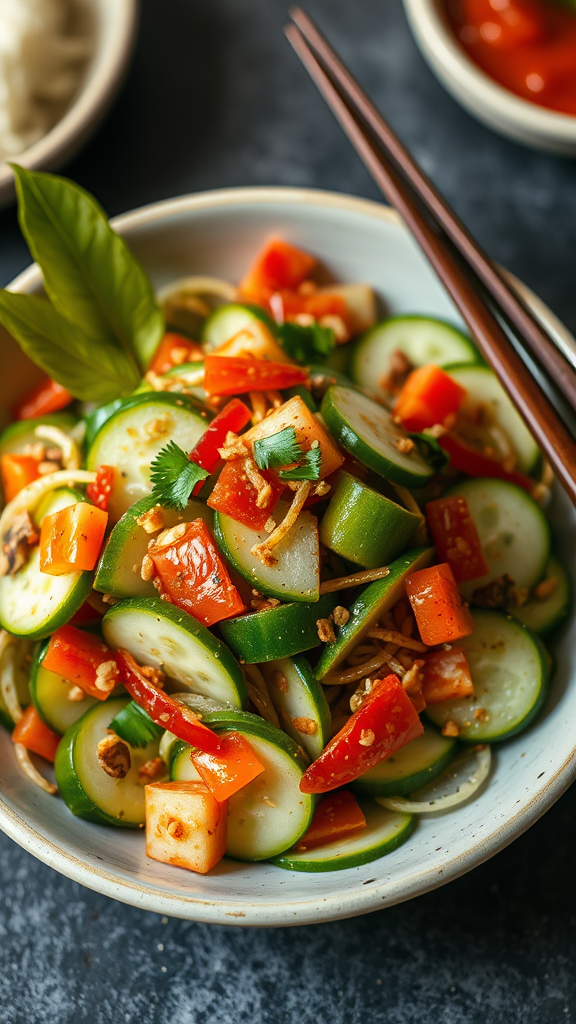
(431, 450)
(174, 477)
(310, 470)
(306, 344)
(281, 449)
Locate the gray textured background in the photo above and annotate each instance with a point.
(215, 97)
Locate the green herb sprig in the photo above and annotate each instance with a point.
(174, 477)
(308, 345)
(282, 449)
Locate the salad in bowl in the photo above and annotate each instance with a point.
(276, 569)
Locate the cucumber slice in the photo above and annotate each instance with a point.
(118, 572)
(412, 766)
(485, 391)
(132, 437)
(513, 531)
(385, 831)
(367, 431)
(22, 655)
(277, 632)
(228, 320)
(296, 576)
(34, 604)
(20, 434)
(269, 814)
(372, 602)
(544, 616)
(422, 339)
(49, 695)
(364, 526)
(297, 694)
(85, 787)
(510, 676)
(158, 634)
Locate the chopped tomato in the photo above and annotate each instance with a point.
(236, 375)
(456, 537)
(467, 460)
(83, 659)
(232, 768)
(446, 676)
(295, 413)
(70, 540)
(192, 575)
(385, 721)
(48, 396)
(173, 350)
(17, 472)
(235, 496)
(441, 615)
(234, 416)
(337, 816)
(278, 265)
(35, 735)
(428, 396)
(99, 492)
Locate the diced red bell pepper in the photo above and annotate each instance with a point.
(385, 721)
(47, 397)
(17, 472)
(83, 659)
(70, 540)
(35, 735)
(467, 460)
(441, 615)
(233, 417)
(456, 538)
(278, 265)
(231, 769)
(446, 676)
(191, 574)
(235, 496)
(428, 397)
(337, 816)
(287, 305)
(99, 492)
(173, 350)
(236, 375)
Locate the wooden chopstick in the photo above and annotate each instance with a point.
(520, 317)
(533, 404)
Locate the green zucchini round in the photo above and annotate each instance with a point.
(277, 632)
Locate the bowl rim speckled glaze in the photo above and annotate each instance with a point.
(329, 896)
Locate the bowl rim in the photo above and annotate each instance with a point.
(311, 910)
(91, 101)
(453, 63)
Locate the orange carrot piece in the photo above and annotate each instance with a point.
(17, 472)
(70, 540)
(429, 396)
(278, 265)
(336, 817)
(440, 613)
(446, 676)
(33, 734)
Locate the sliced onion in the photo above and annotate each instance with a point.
(457, 783)
(8, 676)
(63, 441)
(188, 301)
(25, 762)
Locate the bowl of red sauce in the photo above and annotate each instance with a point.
(511, 63)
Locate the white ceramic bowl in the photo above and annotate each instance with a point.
(114, 24)
(218, 233)
(478, 93)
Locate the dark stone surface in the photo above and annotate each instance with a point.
(215, 97)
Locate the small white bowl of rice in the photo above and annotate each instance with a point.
(61, 62)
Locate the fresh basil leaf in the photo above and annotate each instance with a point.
(430, 450)
(310, 470)
(306, 344)
(89, 272)
(90, 372)
(174, 477)
(133, 725)
(281, 449)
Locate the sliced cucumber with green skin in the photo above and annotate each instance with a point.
(270, 814)
(512, 528)
(422, 339)
(510, 675)
(33, 603)
(370, 605)
(385, 831)
(364, 526)
(158, 634)
(49, 695)
(367, 431)
(412, 766)
(228, 320)
(134, 435)
(277, 632)
(85, 787)
(296, 575)
(118, 571)
(297, 695)
(20, 434)
(543, 617)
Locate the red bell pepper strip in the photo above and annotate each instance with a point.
(236, 375)
(385, 721)
(99, 492)
(286, 305)
(456, 538)
(441, 615)
(428, 396)
(191, 574)
(467, 460)
(235, 496)
(17, 472)
(35, 735)
(337, 816)
(230, 770)
(446, 676)
(278, 265)
(233, 417)
(173, 350)
(83, 659)
(70, 540)
(47, 397)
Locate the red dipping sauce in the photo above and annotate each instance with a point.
(528, 46)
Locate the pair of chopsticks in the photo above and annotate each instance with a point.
(475, 284)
